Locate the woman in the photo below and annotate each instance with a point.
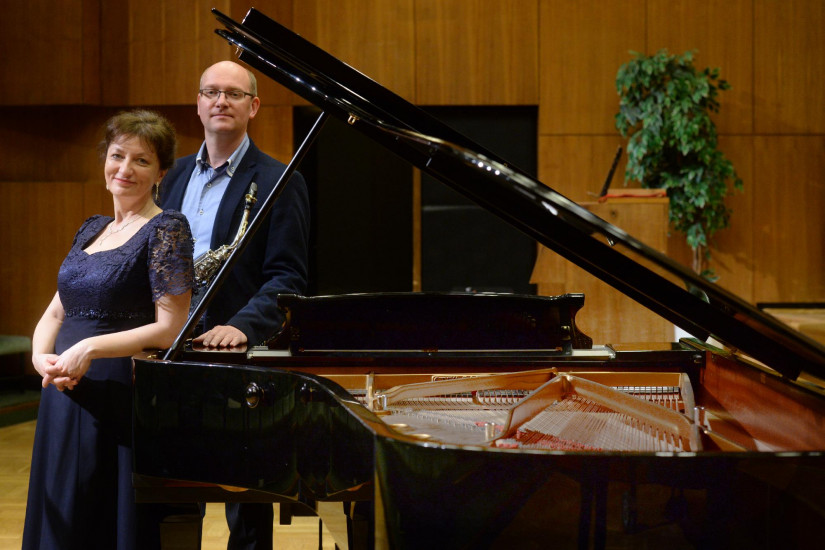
(124, 287)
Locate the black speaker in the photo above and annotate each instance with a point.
(362, 198)
(361, 201)
(463, 246)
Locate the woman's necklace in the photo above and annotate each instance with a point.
(111, 231)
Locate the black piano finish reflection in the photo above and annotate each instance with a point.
(329, 415)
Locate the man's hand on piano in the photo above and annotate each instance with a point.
(221, 336)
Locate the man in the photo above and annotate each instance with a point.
(209, 188)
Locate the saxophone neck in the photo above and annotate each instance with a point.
(249, 201)
(251, 196)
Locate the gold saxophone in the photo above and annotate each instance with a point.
(208, 263)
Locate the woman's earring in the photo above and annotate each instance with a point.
(157, 192)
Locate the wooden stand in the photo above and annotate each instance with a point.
(608, 315)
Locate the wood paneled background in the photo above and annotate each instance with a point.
(67, 65)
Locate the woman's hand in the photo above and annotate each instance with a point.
(60, 382)
(72, 365)
(41, 361)
(44, 364)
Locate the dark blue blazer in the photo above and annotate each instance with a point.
(274, 262)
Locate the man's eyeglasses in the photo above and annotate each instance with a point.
(232, 95)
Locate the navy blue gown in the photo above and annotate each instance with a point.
(80, 486)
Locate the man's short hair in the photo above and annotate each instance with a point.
(253, 82)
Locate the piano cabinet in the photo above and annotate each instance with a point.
(309, 430)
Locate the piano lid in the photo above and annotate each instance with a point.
(642, 273)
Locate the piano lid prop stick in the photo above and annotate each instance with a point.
(173, 352)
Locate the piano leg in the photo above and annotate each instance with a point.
(350, 525)
(359, 524)
(288, 510)
(593, 508)
(181, 526)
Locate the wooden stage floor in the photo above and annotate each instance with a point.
(15, 456)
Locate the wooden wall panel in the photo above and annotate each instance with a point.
(577, 166)
(189, 46)
(115, 35)
(789, 77)
(148, 40)
(156, 55)
(270, 92)
(733, 248)
(789, 199)
(376, 37)
(49, 143)
(37, 223)
(155, 52)
(271, 130)
(188, 127)
(43, 45)
(608, 315)
(583, 44)
(722, 33)
(477, 52)
(96, 200)
(92, 70)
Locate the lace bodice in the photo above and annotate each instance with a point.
(123, 283)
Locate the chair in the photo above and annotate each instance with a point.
(16, 348)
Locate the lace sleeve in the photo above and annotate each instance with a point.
(89, 228)
(171, 268)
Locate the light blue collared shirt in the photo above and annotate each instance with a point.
(205, 191)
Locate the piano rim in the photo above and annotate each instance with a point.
(374, 424)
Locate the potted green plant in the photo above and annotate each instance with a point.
(664, 107)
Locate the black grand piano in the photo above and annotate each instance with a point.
(490, 420)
